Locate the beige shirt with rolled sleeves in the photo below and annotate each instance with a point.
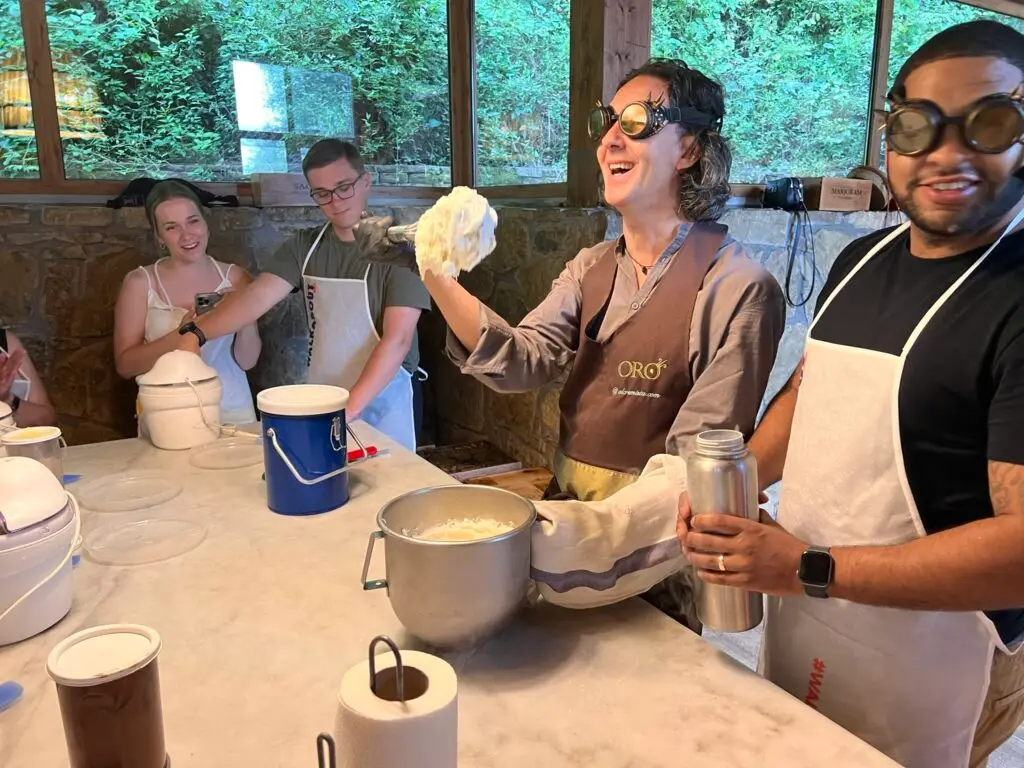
(738, 319)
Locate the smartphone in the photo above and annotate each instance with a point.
(206, 301)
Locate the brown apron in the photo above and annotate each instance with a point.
(622, 396)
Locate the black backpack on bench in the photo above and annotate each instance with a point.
(134, 195)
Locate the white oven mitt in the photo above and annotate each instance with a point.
(455, 234)
(589, 554)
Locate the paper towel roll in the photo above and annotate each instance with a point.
(373, 732)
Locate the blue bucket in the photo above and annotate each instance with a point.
(305, 448)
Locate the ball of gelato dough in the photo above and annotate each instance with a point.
(456, 234)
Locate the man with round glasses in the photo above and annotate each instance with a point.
(896, 566)
(362, 301)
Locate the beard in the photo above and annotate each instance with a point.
(992, 203)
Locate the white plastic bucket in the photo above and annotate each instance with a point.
(27, 559)
(172, 417)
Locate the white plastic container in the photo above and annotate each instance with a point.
(6, 423)
(179, 399)
(6, 417)
(44, 444)
(35, 557)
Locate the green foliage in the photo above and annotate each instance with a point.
(796, 74)
(17, 154)
(522, 85)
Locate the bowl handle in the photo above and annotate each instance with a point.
(376, 583)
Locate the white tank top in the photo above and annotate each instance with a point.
(162, 317)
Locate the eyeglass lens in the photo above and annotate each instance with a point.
(632, 122)
(991, 128)
(343, 191)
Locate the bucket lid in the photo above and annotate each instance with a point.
(29, 493)
(29, 435)
(101, 654)
(302, 400)
(175, 368)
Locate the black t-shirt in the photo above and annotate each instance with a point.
(961, 397)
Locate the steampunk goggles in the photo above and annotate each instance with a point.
(643, 119)
(991, 125)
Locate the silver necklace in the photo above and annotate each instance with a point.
(643, 268)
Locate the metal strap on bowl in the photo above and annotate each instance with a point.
(399, 668)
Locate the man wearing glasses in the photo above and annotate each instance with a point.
(896, 570)
(362, 302)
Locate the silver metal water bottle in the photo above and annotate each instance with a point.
(722, 478)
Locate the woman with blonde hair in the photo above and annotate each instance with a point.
(156, 301)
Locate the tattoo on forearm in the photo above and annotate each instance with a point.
(1006, 487)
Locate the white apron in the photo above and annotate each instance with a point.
(162, 317)
(910, 683)
(342, 337)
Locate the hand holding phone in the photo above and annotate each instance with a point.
(206, 301)
(10, 366)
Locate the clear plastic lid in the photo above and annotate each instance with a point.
(128, 491)
(140, 542)
(229, 453)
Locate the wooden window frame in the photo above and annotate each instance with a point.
(607, 39)
(884, 13)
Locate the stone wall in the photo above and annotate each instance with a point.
(61, 268)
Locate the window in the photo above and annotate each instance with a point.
(522, 91)
(17, 133)
(217, 90)
(914, 21)
(796, 78)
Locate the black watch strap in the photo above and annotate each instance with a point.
(193, 328)
(15, 403)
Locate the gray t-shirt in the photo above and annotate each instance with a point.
(392, 279)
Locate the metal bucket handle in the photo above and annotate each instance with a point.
(399, 667)
(313, 481)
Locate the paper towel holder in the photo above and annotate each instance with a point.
(399, 667)
(325, 744)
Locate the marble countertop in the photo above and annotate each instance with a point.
(262, 619)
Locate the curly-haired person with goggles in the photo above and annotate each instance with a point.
(666, 331)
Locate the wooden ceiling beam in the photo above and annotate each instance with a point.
(608, 38)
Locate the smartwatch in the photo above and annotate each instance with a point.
(817, 568)
(193, 328)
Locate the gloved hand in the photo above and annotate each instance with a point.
(372, 234)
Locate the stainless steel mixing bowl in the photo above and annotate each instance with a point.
(453, 594)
